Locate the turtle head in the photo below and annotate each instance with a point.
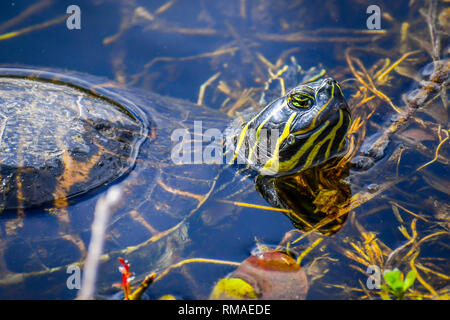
(303, 128)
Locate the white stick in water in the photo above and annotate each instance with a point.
(102, 212)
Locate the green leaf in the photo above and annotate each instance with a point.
(232, 288)
(392, 276)
(409, 280)
(397, 286)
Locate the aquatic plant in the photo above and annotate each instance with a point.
(395, 284)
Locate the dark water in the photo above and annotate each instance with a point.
(173, 51)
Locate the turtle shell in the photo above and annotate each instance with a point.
(57, 141)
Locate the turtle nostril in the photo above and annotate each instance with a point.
(331, 81)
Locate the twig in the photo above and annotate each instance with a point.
(102, 212)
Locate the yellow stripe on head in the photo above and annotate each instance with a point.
(241, 141)
(293, 161)
(335, 129)
(324, 106)
(272, 163)
(250, 156)
(339, 87)
(313, 154)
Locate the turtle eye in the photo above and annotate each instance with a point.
(291, 139)
(300, 100)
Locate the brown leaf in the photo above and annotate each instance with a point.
(274, 275)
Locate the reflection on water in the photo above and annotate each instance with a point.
(317, 198)
(385, 204)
